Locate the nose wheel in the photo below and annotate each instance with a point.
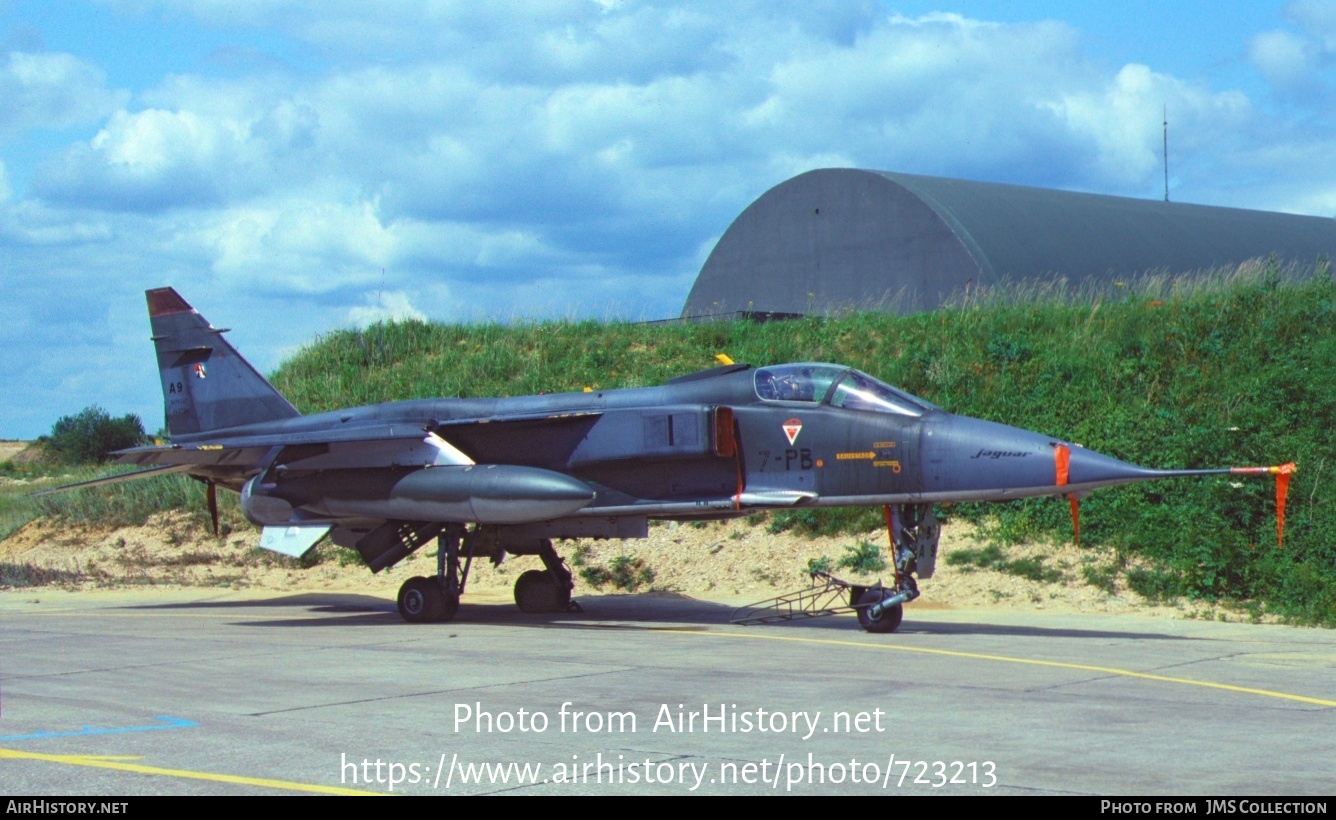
(887, 619)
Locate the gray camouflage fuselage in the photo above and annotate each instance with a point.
(648, 452)
(486, 477)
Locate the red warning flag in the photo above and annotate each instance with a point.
(1282, 473)
(1062, 457)
(1282, 487)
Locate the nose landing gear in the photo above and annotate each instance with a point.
(914, 534)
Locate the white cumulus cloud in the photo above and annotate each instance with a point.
(394, 306)
(1123, 119)
(1317, 17)
(1283, 57)
(297, 245)
(50, 90)
(156, 159)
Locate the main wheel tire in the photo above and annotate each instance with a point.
(535, 591)
(889, 619)
(564, 600)
(449, 604)
(421, 600)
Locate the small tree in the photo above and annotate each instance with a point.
(87, 437)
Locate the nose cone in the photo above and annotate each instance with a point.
(971, 459)
(1088, 469)
(983, 460)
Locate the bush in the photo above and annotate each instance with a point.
(992, 557)
(624, 572)
(1156, 585)
(864, 559)
(983, 558)
(822, 564)
(86, 438)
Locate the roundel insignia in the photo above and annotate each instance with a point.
(792, 428)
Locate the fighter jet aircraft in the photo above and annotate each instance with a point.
(486, 477)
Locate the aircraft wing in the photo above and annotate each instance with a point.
(396, 445)
(243, 448)
(117, 479)
(248, 450)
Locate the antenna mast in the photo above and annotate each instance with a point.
(1166, 153)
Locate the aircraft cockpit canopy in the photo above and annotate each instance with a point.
(837, 386)
(796, 382)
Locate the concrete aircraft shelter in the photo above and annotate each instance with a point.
(848, 239)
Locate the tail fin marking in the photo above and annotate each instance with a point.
(206, 384)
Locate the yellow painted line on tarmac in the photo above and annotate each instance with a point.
(98, 613)
(101, 762)
(1107, 670)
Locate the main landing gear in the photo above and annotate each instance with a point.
(548, 589)
(436, 599)
(426, 600)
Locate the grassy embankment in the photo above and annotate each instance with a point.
(1232, 369)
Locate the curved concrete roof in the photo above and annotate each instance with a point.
(840, 238)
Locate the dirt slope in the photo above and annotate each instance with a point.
(728, 561)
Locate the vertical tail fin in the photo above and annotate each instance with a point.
(206, 384)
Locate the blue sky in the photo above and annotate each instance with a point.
(294, 167)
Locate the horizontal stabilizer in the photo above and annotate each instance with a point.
(294, 540)
(116, 479)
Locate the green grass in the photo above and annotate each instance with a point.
(825, 522)
(127, 504)
(984, 557)
(1104, 578)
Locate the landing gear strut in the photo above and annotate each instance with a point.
(914, 533)
(435, 600)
